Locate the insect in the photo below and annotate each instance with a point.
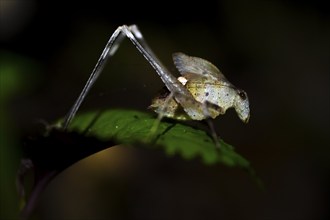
(207, 85)
(201, 92)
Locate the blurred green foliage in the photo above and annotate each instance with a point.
(13, 71)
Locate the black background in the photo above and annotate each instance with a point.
(277, 51)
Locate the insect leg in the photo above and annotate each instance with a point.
(206, 106)
(110, 48)
(160, 116)
(171, 82)
(181, 94)
(213, 132)
(112, 45)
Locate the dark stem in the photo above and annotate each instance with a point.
(41, 184)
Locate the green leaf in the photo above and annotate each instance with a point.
(133, 127)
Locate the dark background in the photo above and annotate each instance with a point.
(277, 51)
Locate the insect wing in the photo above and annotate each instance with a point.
(189, 67)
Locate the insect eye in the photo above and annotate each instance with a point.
(242, 95)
